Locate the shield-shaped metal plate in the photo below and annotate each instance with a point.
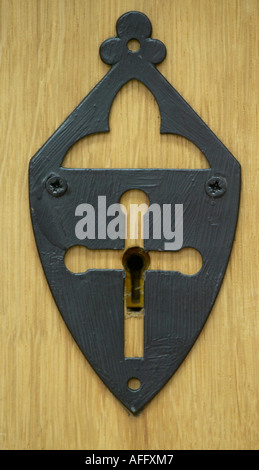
(91, 303)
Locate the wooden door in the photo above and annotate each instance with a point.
(50, 396)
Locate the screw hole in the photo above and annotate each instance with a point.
(56, 186)
(134, 384)
(133, 45)
(215, 186)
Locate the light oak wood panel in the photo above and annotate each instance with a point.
(50, 397)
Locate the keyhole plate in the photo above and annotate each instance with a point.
(92, 303)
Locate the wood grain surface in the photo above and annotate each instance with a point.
(50, 397)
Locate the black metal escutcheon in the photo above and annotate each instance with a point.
(91, 304)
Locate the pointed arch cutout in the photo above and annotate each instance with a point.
(134, 140)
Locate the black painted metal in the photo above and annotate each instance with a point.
(176, 305)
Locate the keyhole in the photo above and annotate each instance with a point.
(135, 261)
(135, 265)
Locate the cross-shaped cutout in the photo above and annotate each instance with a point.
(135, 260)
